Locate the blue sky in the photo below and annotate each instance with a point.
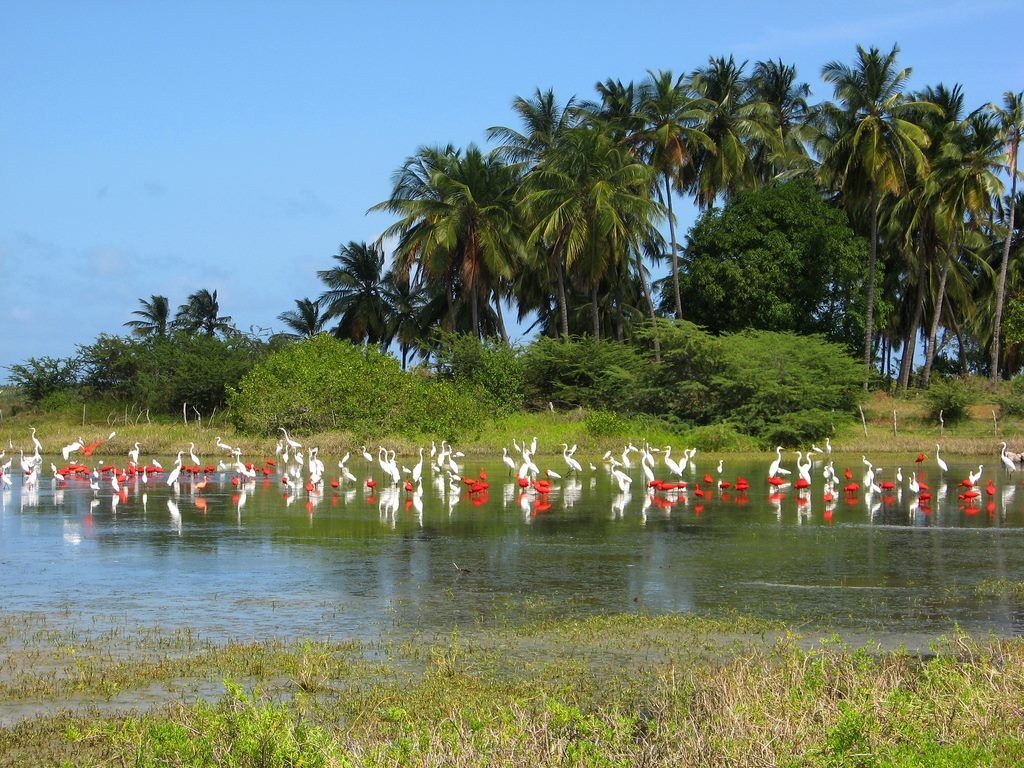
(162, 147)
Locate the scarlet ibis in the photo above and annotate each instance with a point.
(371, 483)
(848, 474)
(920, 457)
(851, 487)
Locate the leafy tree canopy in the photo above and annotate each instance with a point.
(779, 259)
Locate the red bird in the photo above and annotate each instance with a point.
(920, 457)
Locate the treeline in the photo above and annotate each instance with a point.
(753, 388)
(562, 219)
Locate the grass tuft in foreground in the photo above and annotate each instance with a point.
(585, 694)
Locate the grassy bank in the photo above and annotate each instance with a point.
(621, 690)
(594, 432)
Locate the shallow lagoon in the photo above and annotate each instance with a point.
(258, 561)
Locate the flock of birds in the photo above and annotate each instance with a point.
(666, 480)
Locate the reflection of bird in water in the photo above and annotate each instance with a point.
(460, 569)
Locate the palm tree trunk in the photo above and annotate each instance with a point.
(997, 321)
(674, 254)
(869, 310)
(563, 310)
(934, 332)
(501, 318)
(474, 311)
(595, 313)
(650, 306)
(910, 346)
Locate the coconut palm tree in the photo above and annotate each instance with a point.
(355, 294)
(201, 313)
(963, 187)
(305, 320)
(459, 218)
(590, 203)
(154, 317)
(1011, 123)
(775, 84)
(870, 145)
(736, 121)
(668, 138)
(407, 321)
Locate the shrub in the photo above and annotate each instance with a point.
(601, 423)
(951, 397)
(776, 387)
(38, 377)
(324, 383)
(1012, 403)
(589, 373)
(490, 366)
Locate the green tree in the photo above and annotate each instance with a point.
(590, 203)
(778, 258)
(869, 145)
(305, 320)
(201, 313)
(355, 294)
(154, 317)
(668, 138)
(1011, 122)
(776, 85)
(459, 220)
(735, 121)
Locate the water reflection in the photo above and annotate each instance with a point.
(267, 556)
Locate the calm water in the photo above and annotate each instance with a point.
(256, 560)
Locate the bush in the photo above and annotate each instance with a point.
(587, 373)
(324, 383)
(1012, 404)
(779, 388)
(491, 367)
(950, 397)
(38, 377)
(600, 423)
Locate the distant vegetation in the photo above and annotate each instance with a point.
(857, 227)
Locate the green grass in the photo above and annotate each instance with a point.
(594, 433)
(615, 690)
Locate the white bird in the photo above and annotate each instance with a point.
(975, 476)
(417, 471)
(35, 442)
(775, 466)
(1007, 461)
(574, 465)
(157, 464)
(192, 454)
(67, 450)
(223, 446)
(551, 473)
(172, 476)
(913, 484)
(508, 461)
(623, 480)
(939, 461)
(133, 454)
(293, 444)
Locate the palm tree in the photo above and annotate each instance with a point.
(668, 138)
(964, 186)
(870, 145)
(305, 320)
(458, 218)
(201, 312)
(1011, 124)
(355, 293)
(408, 317)
(154, 317)
(775, 84)
(590, 203)
(736, 121)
